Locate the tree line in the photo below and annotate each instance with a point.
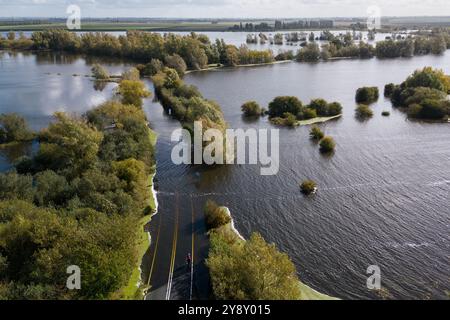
(195, 50)
(437, 42)
(78, 201)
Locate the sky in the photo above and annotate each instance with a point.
(223, 8)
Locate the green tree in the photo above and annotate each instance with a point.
(99, 72)
(363, 112)
(69, 144)
(310, 53)
(308, 187)
(316, 133)
(429, 78)
(285, 104)
(132, 92)
(131, 74)
(15, 186)
(11, 36)
(177, 63)
(327, 145)
(133, 173)
(253, 270)
(13, 128)
(51, 189)
(367, 95)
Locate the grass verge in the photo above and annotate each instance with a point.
(134, 288)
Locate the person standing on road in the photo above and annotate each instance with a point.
(189, 260)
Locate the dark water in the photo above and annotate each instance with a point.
(383, 196)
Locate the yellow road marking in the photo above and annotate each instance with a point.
(155, 252)
(193, 250)
(174, 251)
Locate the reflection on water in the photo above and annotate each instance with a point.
(382, 196)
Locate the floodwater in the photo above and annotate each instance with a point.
(383, 195)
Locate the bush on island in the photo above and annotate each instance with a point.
(251, 109)
(316, 133)
(363, 112)
(308, 187)
(327, 145)
(367, 95)
(216, 216)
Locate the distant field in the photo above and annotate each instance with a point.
(125, 26)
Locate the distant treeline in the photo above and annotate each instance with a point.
(282, 25)
(436, 42)
(196, 50)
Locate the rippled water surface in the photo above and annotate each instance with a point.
(383, 196)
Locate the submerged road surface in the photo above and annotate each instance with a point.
(177, 230)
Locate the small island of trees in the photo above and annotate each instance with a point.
(308, 187)
(289, 111)
(367, 95)
(13, 128)
(327, 145)
(251, 109)
(424, 94)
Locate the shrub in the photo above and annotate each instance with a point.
(320, 105)
(290, 120)
(216, 216)
(334, 109)
(309, 114)
(284, 104)
(176, 62)
(325, 109)
(133, 75)
(13, 128)
(252, 270)
(310, 53)
(308, 187)
(99, 72)
(327, 144)
(433, 109)
(429, 78)
(367, 95)
(363, 111)
(251, 109)
(414, 110)
(316, 133)
(389, 90)
(152, 68)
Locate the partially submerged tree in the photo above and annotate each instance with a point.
(13, 128)
(99, 72)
